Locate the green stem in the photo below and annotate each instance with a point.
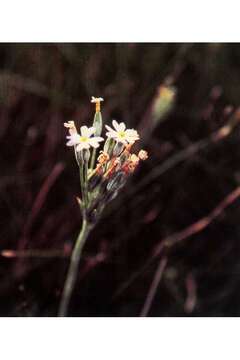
(73, 268)
(86, 183)
(82, 183)
(92, 162)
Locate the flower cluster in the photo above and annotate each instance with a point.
(102, 178)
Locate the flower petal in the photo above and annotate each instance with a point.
(123, 141)
(97, 138)
(93, 143)
(84, 131)
(132, 135)
(116, 125)
(110, 134)
(95, 100)
(122, 126)
(91, 131)
(108, 128)
(83, 145)
(73, 139)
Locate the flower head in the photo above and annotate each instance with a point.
(143, 155)
(121, 134)
(134, 159)
(84, 140)
(97, 101)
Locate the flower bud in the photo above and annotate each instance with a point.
(85, 155)
(97, 123)
(108, 146)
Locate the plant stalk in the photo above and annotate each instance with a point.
(93, 158)
(73, 268)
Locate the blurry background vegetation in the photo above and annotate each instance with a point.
(197, 89)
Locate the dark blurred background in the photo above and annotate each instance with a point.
(178, 96)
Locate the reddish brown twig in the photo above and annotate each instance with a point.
(188, 152)
(198, 225)
(181, 156)
(35, 253)
(153, 287)
(179, 236)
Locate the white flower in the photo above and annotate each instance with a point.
(96, 100)
(84, 140)
(121, 134)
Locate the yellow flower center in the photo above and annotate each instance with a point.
(121, 134)
(83, 139)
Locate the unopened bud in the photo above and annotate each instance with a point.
(108, 146)
(97, 123)
(85, 155)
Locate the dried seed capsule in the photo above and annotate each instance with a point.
(115, 181)
(112, 196)
(103, 158)
(123, 157)
(103, 186)
(94, 181)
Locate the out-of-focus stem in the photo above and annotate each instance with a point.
(73, 268)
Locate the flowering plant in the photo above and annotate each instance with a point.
(101, 177)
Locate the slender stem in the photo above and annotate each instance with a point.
(86, 183)
(81, 175)
(73, 268)
(92, 162)
(82, 183)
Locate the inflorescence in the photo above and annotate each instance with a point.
(104, 175)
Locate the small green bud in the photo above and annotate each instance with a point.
(97, 123)
(108, 146)
(85, 155)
